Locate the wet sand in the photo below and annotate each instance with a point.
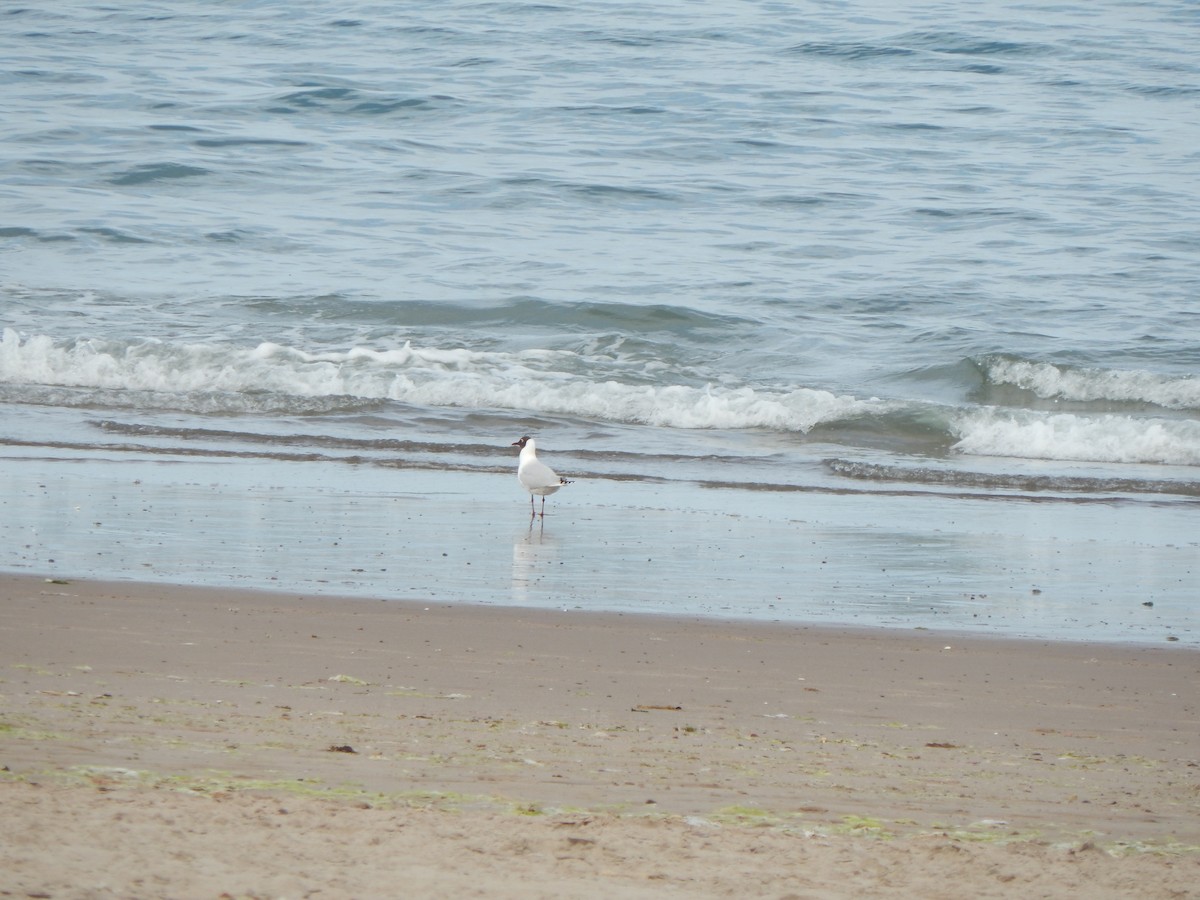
(184, 742)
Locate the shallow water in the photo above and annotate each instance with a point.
(960, 563)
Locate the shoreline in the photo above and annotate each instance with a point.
(844, 630)
(820, 738)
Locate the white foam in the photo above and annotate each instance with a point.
(1050, 381)
(1106, 438)
(537, 381)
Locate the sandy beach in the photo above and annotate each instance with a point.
(161, 741)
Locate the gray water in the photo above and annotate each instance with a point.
(905, 270)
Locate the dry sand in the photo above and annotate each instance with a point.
(170, 742)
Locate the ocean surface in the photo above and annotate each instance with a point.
(833, 312)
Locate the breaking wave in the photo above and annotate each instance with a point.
(1105, 438)
(1051, 381)
(225, 378)
(550, 382)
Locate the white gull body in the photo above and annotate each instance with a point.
(535, 476)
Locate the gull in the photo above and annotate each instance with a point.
(536, 477)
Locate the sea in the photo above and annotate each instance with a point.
(883, 314)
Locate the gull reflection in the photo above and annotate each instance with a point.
(533, 553)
